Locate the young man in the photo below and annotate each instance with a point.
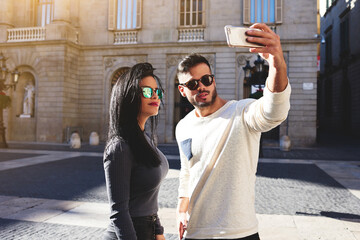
(219, 145)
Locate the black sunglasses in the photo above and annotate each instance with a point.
(148, 92)
(193, 84)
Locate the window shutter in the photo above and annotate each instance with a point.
(138, 13)
(112, 15)
(246, 11)
(30, 8)
(278, 11)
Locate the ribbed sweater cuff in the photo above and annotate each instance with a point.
(278, 97)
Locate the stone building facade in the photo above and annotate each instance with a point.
(339, 88)
(72, 51)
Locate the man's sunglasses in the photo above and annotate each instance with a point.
(148, 92)
(193, 84)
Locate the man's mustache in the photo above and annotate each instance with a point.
(200, 92)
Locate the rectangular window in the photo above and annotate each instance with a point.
(265, 11)
(344, 35)
(45, 12)
(328, 50)
(192, 13)
(128, 14)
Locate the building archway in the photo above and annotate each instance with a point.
(181, 106)
(109, 84)
(116, 75)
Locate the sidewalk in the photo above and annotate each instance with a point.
(49, 191)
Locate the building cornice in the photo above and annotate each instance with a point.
(142, 45)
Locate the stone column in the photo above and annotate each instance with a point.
(61, 27)
(6, 12)
(61, 11)
(6, 15)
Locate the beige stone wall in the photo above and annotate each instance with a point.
(302, 69)
(73, 67)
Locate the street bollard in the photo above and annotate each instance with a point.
(75, 141)
(94, 139)
(285, 143)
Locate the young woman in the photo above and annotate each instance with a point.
(134, 167)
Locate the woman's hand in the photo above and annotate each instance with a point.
(159, 237)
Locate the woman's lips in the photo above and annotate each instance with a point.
(155, 104)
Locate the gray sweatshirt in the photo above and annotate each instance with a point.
(132, 188)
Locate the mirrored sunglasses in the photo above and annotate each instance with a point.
(148, 92)
(193, 84)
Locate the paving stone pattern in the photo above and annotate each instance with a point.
(281, 188)
(23, 230)
(302, 189)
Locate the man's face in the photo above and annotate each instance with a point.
(202, 96)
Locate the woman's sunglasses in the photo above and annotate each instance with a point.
(193, 84)
(148, 92)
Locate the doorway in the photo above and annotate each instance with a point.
(181, 106)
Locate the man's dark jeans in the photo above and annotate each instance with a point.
(252, 237)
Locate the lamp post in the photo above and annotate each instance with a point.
(259, 71)
(5, 100)
(247, 70)
(259, 64)
(256, 76)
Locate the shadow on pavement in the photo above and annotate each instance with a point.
(78, 178)
(342, 216)
(301, 172)
(336, 215)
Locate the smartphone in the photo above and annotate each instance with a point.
(236, 37)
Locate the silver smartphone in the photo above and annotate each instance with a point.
(236, 37)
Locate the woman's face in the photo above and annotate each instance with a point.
(149, 106)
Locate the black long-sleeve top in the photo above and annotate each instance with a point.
(132, 188)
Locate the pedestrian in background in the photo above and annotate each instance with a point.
(219, 145)
(134, 166)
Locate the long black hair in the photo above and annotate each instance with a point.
(125, 105)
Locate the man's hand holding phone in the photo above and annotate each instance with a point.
(236, 37)
(267, 44)
(271, 47)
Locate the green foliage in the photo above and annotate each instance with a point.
(5, 101)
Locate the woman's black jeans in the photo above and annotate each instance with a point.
(144, 228)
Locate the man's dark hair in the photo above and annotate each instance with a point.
(191, 61)
(125, 105)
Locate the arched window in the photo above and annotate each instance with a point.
(117, 74)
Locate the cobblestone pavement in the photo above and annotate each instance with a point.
(61, 194)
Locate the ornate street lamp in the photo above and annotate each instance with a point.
(5, 100)
(247, 70)
(259, 64)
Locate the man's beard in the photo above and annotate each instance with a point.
(203, 104)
